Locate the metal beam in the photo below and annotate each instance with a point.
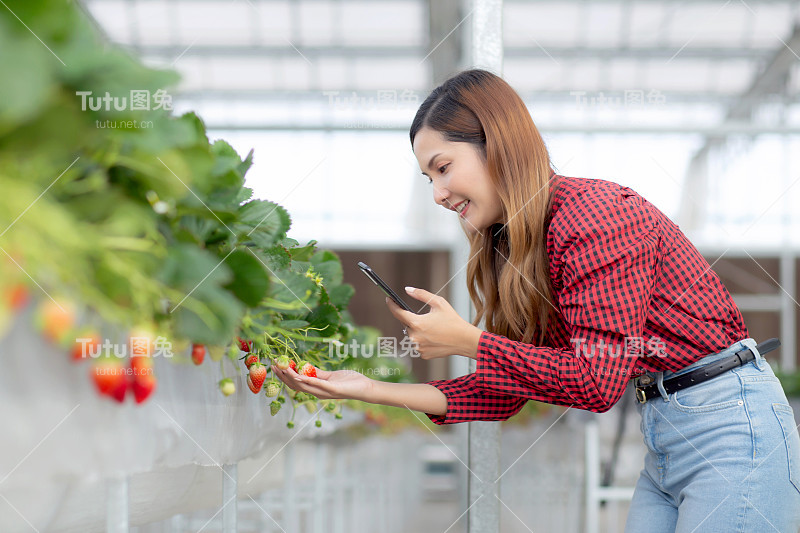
(622, 129)
(416, 53)
(771, 80)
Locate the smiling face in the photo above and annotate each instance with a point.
(460, 179)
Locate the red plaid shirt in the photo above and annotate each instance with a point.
(632, 294)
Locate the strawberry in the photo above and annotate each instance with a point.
(250, 360)
(318, 423)
(252, 386)
(308, 370)
(141, 365)
(274, 407)
(216, 353)
(227, 386)
(198, 353)
(246, 346)
(56, 319)
(257, 375)
(16, 296)
(141, 339)
(273, 388)
(110, 378)
(290, 424)
(282, 362)
(293, 365)
(85, 346)
(143, 387)
(179, 345)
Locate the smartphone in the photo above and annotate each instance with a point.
(382, 284)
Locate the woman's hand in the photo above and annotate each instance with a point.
(440, 332)
(338, 384)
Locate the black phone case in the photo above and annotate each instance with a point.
(383, 286)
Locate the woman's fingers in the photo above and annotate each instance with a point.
(323, 374)
(422, 295)
(315, 386)
(399, 313)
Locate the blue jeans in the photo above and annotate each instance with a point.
(722, 456)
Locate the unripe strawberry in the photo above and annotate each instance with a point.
(290, 424)
(318, 423)
(227, 386)
(282, 362)
(55, 320)
(274, 407)
(216, 353)
(273, 388)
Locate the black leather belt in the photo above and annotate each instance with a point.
(647, 388)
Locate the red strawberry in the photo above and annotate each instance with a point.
(293, 365)
(250, 360)
(85, 346)
(245, 346)
(258, 373)
(143, 387)
(17, 296)
(308, 370)
(110, 378)
(252, 386)
(198, 353)
(141, 365)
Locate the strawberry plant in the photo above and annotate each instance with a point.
(149, 230)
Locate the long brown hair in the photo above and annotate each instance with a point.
(507, 275)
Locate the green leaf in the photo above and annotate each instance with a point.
(340, 295)
(245, 165)
(264, 222)
(325, 317)
(250, 280)
(303, 253)
(277, 257)
(291, 287)
(327, 264)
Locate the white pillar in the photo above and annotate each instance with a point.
(117, 505)
(486, 51)
(230, 480)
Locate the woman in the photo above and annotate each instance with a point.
(582, 285)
